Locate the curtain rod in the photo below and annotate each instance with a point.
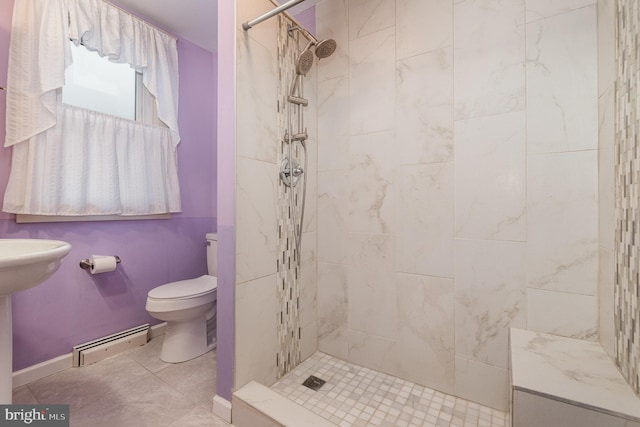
(141, 19)
(304, 31)
(270, 14)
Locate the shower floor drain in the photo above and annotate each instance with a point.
(314, 383)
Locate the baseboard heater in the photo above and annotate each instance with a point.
(97, 350)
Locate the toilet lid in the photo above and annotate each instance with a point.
(185, 288)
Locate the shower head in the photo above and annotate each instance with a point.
(304, 62)
(325, 48)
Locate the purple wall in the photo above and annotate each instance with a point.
(73, 306)
(307, 18)
(226, 198)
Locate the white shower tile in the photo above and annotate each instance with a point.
(426, 220)
(372, 183)
(332, 310)
(333, 216)
(425, 347)
(606, 170)
(372, 82)
(358, 396)
(606, 285)
(561, 313)
(308, 340)
(369, 16)
(311, 173)
(562, 83)
(539, 9)
(331, 23)
(371, 350)
(562, 222)
(490, 298)
(255, 216)
(489, 57)
(606, 45)
(423, 26)
(257, 64)
(307, 280)
(256, 341)
(263, 33)
(424, 109)
(333, 126)
(482, 383)
(490, 180)
(372, 287)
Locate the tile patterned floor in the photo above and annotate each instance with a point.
(134, 388)
(358, 397)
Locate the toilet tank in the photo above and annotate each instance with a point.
(212, 254)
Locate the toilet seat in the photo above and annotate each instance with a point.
(184, 289)
(182, 295)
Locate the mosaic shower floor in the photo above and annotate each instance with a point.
(357, 396)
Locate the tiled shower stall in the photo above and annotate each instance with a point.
(461, 182)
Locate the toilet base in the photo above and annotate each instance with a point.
(185, 340)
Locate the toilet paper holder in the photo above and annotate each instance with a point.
(85, 264)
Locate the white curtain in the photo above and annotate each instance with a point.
(104, 165)
(69, 161)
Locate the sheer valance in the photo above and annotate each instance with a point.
(39, 54)
(70, 161)
(126, 39)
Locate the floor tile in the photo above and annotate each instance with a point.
(79, 387)
(23, 396)
(357, 396)
(133, 388)
(195, 378)
(149, 355)
(199, 418)
(149, 402)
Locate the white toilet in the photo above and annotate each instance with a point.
(189, 308)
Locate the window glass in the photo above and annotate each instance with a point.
(95, 83)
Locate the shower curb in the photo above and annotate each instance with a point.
(255, 405)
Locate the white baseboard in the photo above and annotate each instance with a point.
(41, 370)
(157, 330)
(222, 408)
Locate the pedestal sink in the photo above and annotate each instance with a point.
(24, 263)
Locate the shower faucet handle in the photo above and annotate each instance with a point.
(290, 172)
(295, 172)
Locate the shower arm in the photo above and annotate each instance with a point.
(271, 13)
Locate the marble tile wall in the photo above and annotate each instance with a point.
(256, 195)
(263, 238)
(457, 184)
(627, 211)
(606, 172)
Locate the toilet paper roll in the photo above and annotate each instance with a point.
(102, 264)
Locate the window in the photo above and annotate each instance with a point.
(95, 83)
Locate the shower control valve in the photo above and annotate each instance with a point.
(290, 172)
